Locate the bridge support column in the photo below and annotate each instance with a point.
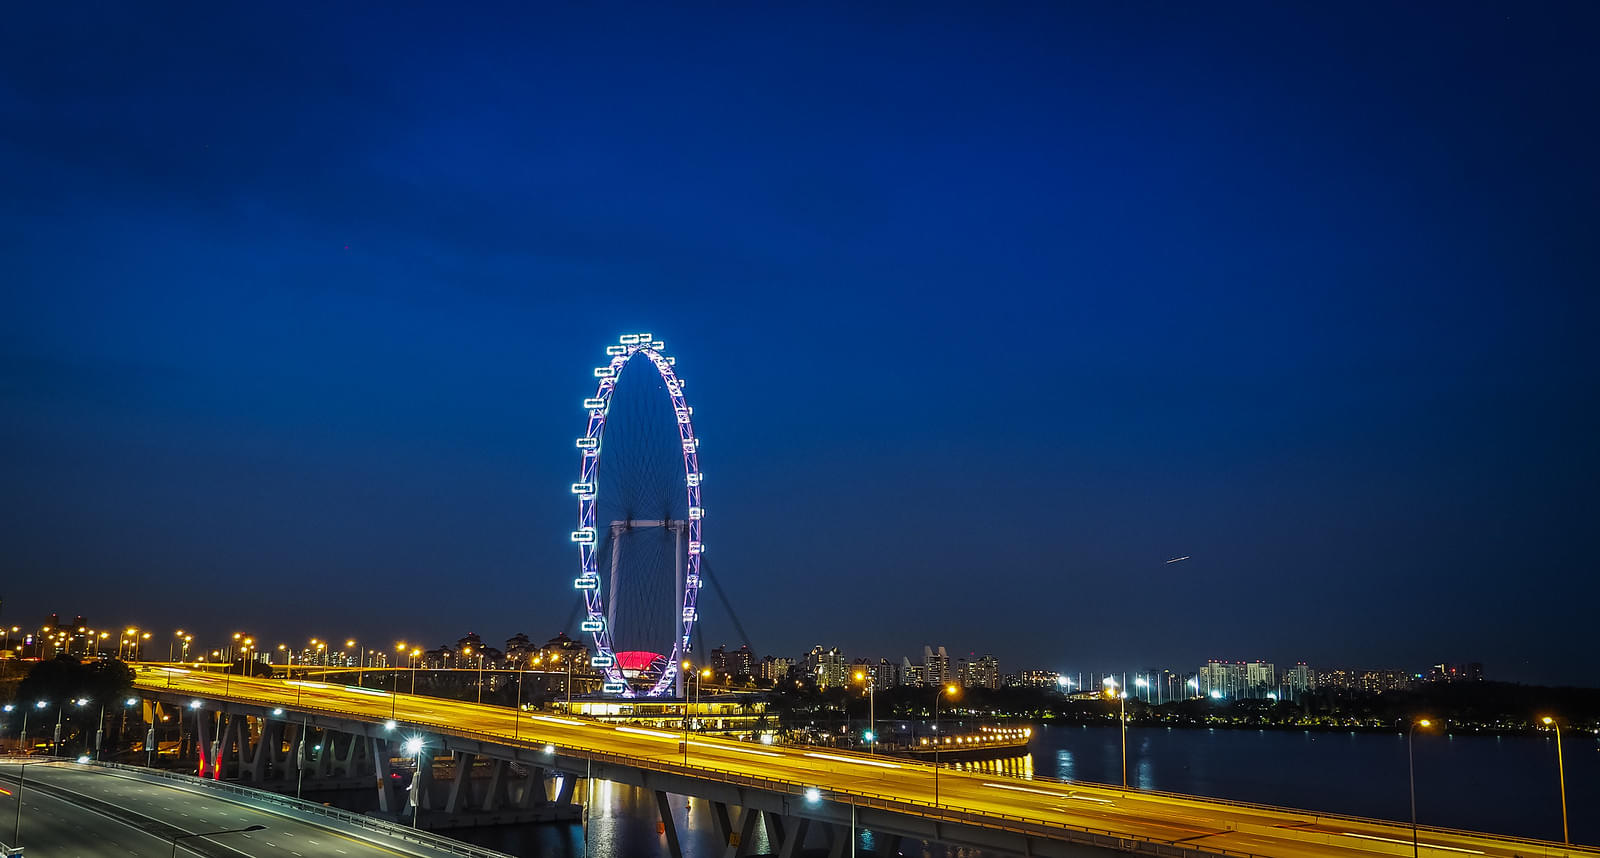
(533, 790)
(795, 844)
(497, 794)
(384, 783)
(668, 826)
(569, 785)
(741, 842)
(254, 766)
(838, 841)
(202, 743)
(747, 834)
(461, 784)
(773, 822)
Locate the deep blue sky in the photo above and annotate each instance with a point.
(986, 311)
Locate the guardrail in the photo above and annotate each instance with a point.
(1031, 826)
(373, 824)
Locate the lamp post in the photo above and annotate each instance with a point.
(177, 837)
(568, 686)
(321, 655)
(399, 651)
(943, 690)
(872, 712)
(80, 703)
(414, 653)
(16, 827)
(694, 677)
(1110, 684)
(1411, 769)
(361, 666)
(1561, 773)
(413, 747)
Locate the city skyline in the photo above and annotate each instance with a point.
(986, 314)
(75, 637)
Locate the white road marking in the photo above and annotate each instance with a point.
(1428, 845)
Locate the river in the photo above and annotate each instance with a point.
(1501, 784)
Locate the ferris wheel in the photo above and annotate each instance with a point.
(639, 520)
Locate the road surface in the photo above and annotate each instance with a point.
(1197, 822)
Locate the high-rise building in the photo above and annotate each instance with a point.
(1470, 672)
(935, 666)
(913, 674)
(1039, 678)
(1260, 678)
(775, 669)
(1297, 680)
(742, 662)
(982, 673)
(888, 673)
(832, 671)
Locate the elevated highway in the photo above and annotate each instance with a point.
(788, 788)
(58, 807)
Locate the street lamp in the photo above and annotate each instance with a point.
(177, 837)
(1561, 772)
(696, 678)
(872, 712)
(414, 653)
(80, 703)
(22, 737)
(322, 656)
(943, 690)
(1122, 719)
(399, 650)
(568, 686)
(1411, 768)
(361, 667)
(413, 747)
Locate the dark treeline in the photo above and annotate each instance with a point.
(1483, 706)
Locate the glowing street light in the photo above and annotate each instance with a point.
(872, 712)
(413, 747)
(1561, 772)
(950, 690)
(1122, 720)
(1411, 769)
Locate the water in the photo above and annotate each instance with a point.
(1505, 785)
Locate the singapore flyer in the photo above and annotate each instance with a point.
(639, 520)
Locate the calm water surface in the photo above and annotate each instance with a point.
(1506, 784)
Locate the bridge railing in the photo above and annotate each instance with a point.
(369, 823)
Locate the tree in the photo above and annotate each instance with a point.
(67, 678)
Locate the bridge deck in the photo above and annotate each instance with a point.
(1153, 823)
(73, 809)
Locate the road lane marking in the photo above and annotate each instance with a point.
(567, 721)
(840, 759)
(656, 733)
(1429, 845)
(730, 748)
(1026, 789)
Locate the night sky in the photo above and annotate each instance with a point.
(986, 312)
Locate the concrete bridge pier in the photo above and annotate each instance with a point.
(485, 790)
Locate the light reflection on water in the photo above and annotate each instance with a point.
(1499, 784)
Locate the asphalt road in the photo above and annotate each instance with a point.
(1198, 822)
(71, 810)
